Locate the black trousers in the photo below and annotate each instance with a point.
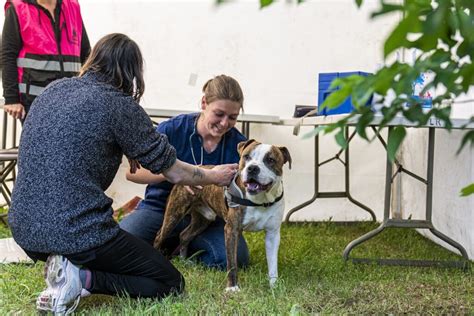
(126, 265)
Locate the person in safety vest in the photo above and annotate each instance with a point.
(42, 40)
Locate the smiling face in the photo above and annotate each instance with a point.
(261, 165)
(218, 117)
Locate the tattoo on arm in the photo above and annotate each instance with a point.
(197, 173)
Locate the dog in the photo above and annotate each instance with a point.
(253, 202)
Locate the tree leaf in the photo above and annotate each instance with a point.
(398, 37)
(341, 139)
(315, 131)
(387, 8)
(467, 190)
(337, 97)
(468, 4)
(358, 3)
(413, 113)
(362, 92)
(468, 137)
(395, 138)
(363, 122)
(435, 23)
(264, 3)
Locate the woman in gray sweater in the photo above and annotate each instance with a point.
(71, 146)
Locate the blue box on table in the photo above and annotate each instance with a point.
(324, 83)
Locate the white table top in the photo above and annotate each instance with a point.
(399, 120)
(255, 118)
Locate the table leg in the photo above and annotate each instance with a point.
(343, 194)
(409, 223)
(347, 177)
(429, 196)
(386, 214)
(316, 181)
(246, 129)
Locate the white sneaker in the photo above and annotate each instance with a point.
(64, 287)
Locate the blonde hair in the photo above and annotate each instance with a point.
(223, 88)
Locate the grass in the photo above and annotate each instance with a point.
(313, 280)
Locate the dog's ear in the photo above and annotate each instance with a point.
(242, 145)
(286, 155)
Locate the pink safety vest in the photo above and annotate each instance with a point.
(43, 57)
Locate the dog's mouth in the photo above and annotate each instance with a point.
(253, 186)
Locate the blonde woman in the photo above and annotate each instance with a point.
(205, 138)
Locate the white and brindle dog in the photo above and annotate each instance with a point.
(253, 202)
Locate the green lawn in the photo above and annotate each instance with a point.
(313, 279)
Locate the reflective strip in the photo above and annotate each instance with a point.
(34, 90)
(49, 65)
(71, 66)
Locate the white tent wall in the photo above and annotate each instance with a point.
(276, 54)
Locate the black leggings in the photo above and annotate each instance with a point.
(126, 265)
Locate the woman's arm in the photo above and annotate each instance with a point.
(144, 176)
(183, 173)
(11, 46)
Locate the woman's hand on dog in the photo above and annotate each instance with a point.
(184, 173)
(224, 173)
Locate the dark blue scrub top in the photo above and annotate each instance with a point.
(179, 129)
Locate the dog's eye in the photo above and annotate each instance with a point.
(270, 160)
(247, 157)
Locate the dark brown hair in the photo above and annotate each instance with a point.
(118, 58)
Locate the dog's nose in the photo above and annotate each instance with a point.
(253, 169)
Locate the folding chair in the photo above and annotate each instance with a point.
(8, 160)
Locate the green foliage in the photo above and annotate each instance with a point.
(468, 190)
(395, 138)
(442, 32)
(468, 138)
(264, 3)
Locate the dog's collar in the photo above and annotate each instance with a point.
(235, 197)
(235, 201)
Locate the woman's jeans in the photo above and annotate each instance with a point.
(209, 246)
(126, 265)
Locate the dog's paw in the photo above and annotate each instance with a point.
(232, 289)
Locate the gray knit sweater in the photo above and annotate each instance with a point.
(71, 147)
